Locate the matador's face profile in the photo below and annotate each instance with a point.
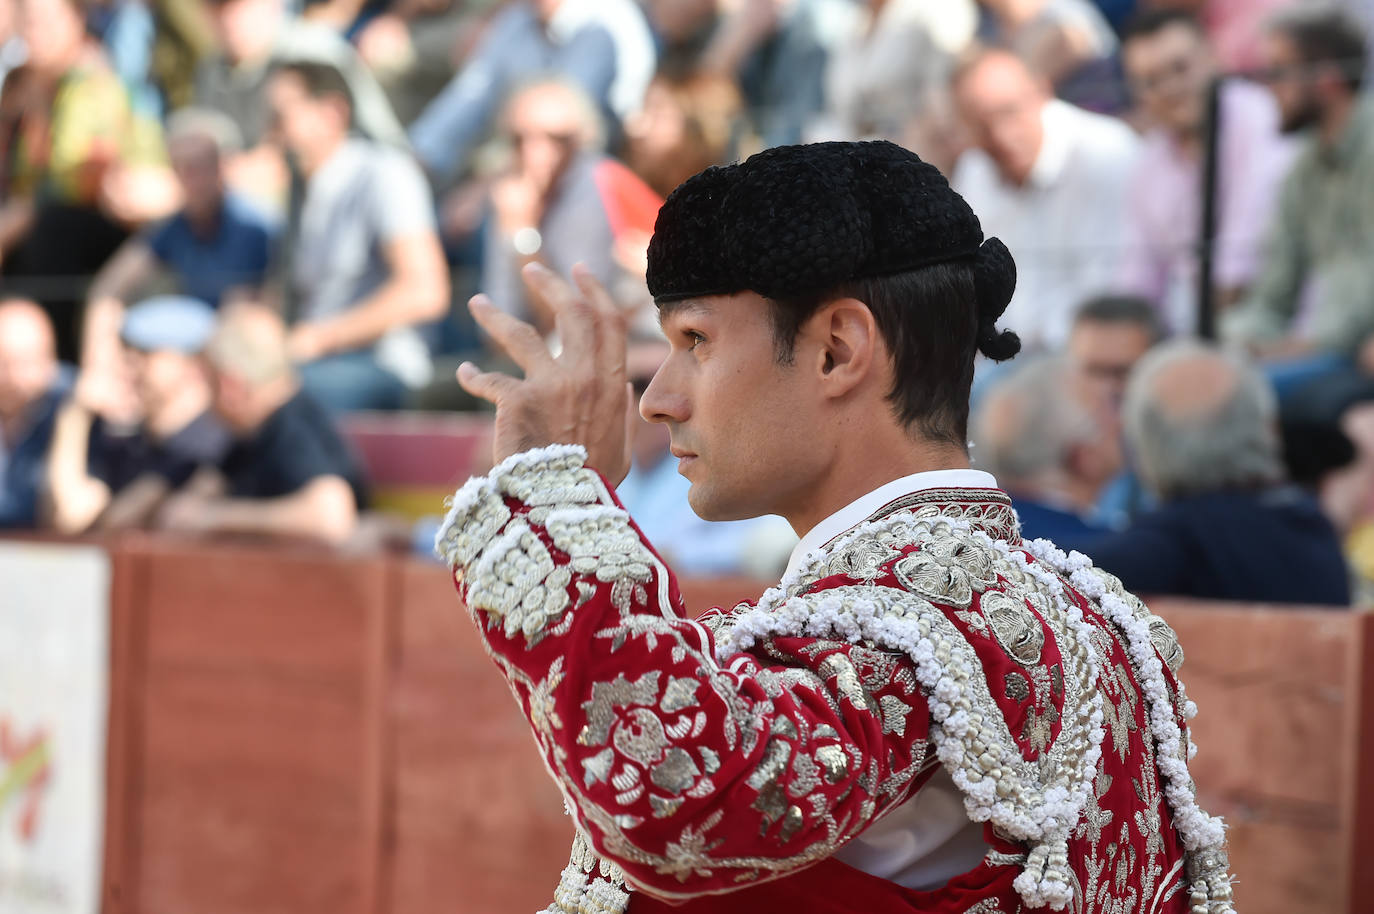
(747, 429)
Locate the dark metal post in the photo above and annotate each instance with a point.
(1211, 142)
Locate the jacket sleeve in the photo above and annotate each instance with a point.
(693, 776)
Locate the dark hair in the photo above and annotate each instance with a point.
(320, 79)
(1325, 35)
(1149, 22)
(1122, 309)
(931, 320)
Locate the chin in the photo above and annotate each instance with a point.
(715, 506)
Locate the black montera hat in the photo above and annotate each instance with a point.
(799, 220)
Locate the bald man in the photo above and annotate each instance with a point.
(1203, 427)
(32, 385)
(289, 473)
(1050, 180)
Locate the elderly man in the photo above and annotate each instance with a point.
(1203, 428)
(32, 386)
(562, 202)
(288, 473)
(113, 460)
(912, 719)
(1049, 178)
(1038, 433)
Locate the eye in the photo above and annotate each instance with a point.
(693, 337)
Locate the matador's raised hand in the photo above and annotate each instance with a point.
(580, 396)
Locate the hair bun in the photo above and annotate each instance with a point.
(994, 281)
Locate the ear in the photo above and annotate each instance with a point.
(847, 345)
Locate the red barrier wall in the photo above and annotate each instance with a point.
(298, 732)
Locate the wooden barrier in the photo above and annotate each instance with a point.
(298, 732)
(1286, 716)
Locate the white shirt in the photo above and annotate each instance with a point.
(1066, 226)
(929, 839)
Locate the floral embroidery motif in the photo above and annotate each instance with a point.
(863, 561)
(1014, 626)
(948, 569)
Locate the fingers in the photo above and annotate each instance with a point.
(610, 320)
(520, 341)
(574, 319)
(488, 385)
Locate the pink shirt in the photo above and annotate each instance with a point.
(1164, 206)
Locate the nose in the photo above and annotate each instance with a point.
(661, 402)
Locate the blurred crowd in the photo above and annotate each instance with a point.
(224, 224)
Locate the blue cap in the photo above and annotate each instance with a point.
(176, 323)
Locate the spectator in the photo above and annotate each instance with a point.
(1204, 430)
(1049, 179)
(253, 34)
(1110, 335)
(288, 472)
(216, 244)
(1170, 70)
(1066, 42)
(1235, 28)
(106, 472)
(31, 389)
(604, 46)
(365, 265)
(655, 490)
(563, 202)
(886, 73)
(1316, 260)
(1048, 450)
(77, 164)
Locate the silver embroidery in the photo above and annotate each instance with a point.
(1015, 627)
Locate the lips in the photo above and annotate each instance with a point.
(680, 452)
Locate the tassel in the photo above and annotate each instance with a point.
(1046, 881)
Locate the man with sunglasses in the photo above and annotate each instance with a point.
(915, 719)
(562, 201)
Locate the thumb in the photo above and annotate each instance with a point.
(488, 385)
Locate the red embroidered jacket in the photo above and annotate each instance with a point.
(720, 763)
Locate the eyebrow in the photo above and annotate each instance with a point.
(682, 306)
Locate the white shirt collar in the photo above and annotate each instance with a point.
(862, 507)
